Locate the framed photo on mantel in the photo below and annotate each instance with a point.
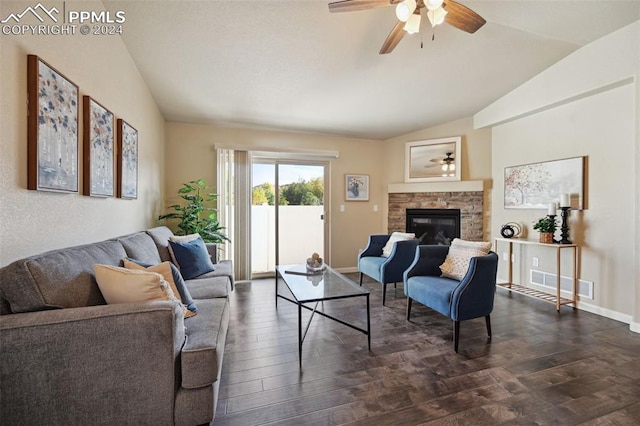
(433, 160)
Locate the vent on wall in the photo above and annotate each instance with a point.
(548, 280)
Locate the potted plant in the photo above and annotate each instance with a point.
(547, 227)
(198, 215)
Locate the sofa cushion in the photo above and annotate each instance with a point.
(208, 288)
(192, 258)
(224, 268)
(460, 253)
(203, 350)
(58, 279)
(160, 236)
(395, 236)
(140, 246)
(173, 277)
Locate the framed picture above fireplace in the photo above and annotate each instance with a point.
(433, 160)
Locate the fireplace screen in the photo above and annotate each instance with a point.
(434, 226)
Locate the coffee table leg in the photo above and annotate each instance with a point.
(276, 289)
(368, 324)
(300, 334)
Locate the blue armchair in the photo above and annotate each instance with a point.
(386, 269)
(471, 297)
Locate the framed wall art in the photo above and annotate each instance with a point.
(357, 187)
(127, 162)
(536, 185)
(98, 146)
(433, 160)
(52, 129)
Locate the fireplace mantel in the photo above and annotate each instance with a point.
(457, 186)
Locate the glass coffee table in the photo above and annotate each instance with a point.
(319, 287)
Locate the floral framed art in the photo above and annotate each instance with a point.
(536, 185)
(433, 160)
(127, 163)
(52, 129)
(98, 146)
(357, 187)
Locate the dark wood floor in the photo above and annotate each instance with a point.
(541, 368)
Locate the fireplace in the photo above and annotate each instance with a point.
(434, 226)
(470, 203)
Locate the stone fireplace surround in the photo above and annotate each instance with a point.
(466, 196)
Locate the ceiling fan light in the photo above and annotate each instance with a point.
(436, 16)
(405, 9)
(413, 24)
(433, 4)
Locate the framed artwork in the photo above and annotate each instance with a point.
(433, 160)
(357, 187)
(98, 147)
(536, 185)
(127, 162)
(52, 129)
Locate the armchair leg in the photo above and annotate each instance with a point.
(456, 335)
(409, 300)
(384, 293)
(361, 278)
(488, 321)
(395, 285)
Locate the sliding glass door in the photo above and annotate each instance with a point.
(287, 214)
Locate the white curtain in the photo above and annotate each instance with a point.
(234, 208)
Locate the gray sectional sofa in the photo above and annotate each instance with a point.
(66, 357)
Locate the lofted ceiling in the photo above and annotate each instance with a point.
(290, 64)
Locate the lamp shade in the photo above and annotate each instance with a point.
(436, 16)
(413, 24)
(405, 9)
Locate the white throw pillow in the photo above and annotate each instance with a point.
(460, 253)
(184, 238)
(396, 236)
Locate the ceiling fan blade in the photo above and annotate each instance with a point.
(393, 38)
(355, 5)
(462, 17)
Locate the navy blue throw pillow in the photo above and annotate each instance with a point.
(192, 258)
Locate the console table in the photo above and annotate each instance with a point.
(555, 299)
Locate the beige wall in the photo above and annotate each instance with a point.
(476, 158)
(34, 221)
(586, 105)
(191, 155)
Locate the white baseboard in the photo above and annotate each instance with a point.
(604, 312)
(347, 270)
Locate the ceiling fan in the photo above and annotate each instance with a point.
(446, 164)
(409, 15)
